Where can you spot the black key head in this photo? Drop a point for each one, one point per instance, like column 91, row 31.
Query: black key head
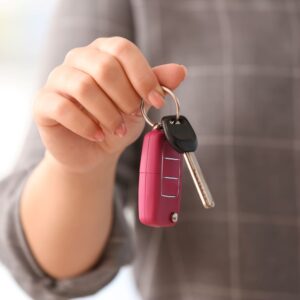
column 180, row 134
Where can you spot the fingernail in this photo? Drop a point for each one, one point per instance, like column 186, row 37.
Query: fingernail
column 160, row 90
column 185, row 70
column 99, row 136
column 121, row 130
column 156, row 99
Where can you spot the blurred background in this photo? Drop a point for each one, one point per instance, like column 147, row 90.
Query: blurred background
column 23, row 27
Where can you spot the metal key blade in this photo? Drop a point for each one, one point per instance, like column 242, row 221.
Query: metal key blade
column 198, row 179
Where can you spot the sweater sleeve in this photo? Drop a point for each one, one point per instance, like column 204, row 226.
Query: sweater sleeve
column 76, row 24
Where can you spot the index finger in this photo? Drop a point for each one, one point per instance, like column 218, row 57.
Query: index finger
column 136, row 67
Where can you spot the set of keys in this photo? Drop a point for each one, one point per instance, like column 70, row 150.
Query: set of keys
column 160, row 180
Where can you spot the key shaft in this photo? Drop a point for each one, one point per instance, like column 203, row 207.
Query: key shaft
column 198, row 179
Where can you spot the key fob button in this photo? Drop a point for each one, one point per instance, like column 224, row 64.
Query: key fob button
column 171, row 167
column 170, row 188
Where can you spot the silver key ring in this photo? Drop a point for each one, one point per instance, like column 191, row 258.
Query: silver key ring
column 168, row 91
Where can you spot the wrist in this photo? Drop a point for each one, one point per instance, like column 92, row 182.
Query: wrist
column 107, row 164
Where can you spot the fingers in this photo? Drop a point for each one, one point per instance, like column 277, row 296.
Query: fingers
column 135, row 66
column 123, row 73
column 82, row 87
column 109, row 75
column 163, row 72
column 52, row 109
column 102, row 83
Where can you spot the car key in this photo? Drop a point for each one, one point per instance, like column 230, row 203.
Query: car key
column 159, row 181
column 183, row 139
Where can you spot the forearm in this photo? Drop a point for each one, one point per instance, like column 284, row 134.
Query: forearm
column 67, row 216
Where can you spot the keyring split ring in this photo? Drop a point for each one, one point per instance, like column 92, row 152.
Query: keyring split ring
column 168, row 91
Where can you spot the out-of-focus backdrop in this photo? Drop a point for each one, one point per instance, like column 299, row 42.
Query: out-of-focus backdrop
column 23, row 27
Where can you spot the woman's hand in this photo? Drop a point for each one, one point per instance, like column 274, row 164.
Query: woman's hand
column 88, row 110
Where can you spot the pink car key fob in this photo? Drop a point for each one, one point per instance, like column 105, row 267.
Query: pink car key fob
column 159, row 181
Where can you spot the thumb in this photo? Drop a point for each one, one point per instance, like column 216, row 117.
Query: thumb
column 170, row 75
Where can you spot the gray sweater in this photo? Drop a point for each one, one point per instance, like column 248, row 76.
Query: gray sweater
column 242, row 96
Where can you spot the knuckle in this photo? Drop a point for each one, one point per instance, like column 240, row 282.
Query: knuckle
column 54, row 73
column 107, row 69
column 60, row 109
column 97, row 41
column 83, row 84
column 36, row 107
column 72, row 53
column 121, row 45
